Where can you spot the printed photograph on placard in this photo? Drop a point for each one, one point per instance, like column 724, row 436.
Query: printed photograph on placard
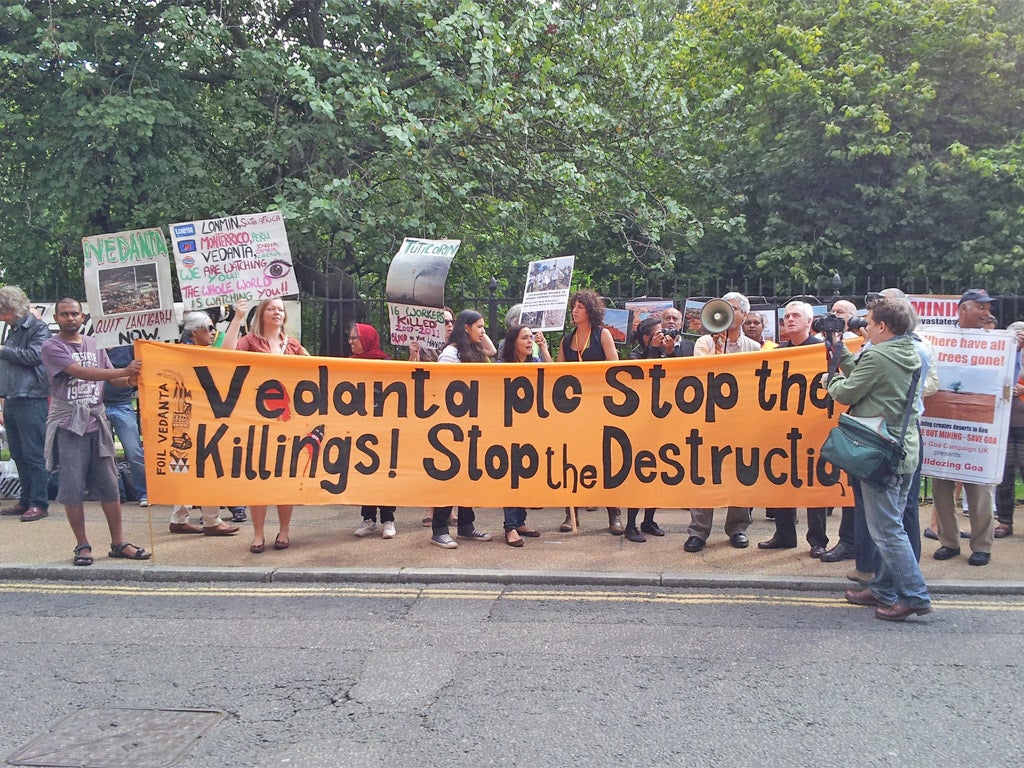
column 419, row 270
column 617, row 321
column 642, row 308
column 546, row 295
column 129, row 289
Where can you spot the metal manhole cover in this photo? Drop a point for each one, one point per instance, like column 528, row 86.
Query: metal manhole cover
column 114, row 737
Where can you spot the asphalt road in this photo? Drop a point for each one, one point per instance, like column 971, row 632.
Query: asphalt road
column 481, row 675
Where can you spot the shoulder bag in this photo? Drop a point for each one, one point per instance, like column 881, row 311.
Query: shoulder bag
column 865, row 449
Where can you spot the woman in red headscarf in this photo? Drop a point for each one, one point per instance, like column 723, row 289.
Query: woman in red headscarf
column 365, row 343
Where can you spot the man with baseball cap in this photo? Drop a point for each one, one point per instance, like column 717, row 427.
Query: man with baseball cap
column 975, row 311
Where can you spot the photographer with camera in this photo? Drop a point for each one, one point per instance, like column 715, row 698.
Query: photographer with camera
column 847, row 312
column 877, row 385
column 798, row 317
column 673, row 342
column 846, row 549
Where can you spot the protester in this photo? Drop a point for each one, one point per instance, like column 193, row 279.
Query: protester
column 588, row 341
column 365, row 343
column 198, row 330
column 846, row 311
column 797, row 317
column 468, row 343
column 649, row 345
column 77, row 432
column 268, row 336
column 673, row 341
column 517, row 347
column 420, row 353
column 753, row 327
column 974, row 312
column 1006, row 492
column 878, row 385
column 737, row 519
column 24, row 388
column 119, row 403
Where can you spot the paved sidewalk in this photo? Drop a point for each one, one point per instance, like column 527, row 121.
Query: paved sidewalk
column 324, row 549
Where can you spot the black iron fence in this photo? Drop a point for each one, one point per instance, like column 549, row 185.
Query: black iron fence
column 327, row 315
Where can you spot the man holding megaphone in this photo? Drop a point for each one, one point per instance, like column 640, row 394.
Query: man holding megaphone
column 723, row 318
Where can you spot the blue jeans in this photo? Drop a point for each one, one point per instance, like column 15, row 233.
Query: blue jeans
column 122, row 420
column 25, row 418
column 515, row 517
column 898, row 578
column 864, row 548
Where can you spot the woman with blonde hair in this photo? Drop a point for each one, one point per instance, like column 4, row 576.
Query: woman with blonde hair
column 268, row 336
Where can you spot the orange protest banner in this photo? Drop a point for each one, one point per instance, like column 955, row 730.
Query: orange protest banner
column 235, row 428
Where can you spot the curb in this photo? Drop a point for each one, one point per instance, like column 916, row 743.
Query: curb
column 166, row 574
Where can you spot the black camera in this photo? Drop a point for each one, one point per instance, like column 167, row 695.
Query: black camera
column 856, row 323
column 829, row 324
column 670, row 332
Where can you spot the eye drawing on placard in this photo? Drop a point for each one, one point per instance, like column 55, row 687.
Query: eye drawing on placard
column 277, row 269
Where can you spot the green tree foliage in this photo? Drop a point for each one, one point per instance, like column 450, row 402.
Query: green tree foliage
column 497, row 123
column 879, row 139
column 720, row 138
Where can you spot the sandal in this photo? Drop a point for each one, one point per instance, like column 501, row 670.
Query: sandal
column 117, row 550
column 81, row 559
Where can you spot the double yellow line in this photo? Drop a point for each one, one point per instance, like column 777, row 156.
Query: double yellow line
column 517, row 593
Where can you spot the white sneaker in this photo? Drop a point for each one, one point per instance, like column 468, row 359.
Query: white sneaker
column 366, row 528
column 389, row 530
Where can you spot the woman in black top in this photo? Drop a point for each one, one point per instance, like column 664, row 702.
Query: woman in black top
column 588, row 341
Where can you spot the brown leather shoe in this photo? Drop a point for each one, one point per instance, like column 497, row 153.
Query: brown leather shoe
column 899, row 612
column 862, row 597
column 16, row 511
column 530, row 532
column 34, row 513
column 615, row 526
column 1003, row 530
column 223, row 529
column 185, row 528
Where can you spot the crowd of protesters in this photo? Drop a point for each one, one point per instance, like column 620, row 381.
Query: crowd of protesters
column 880, row 532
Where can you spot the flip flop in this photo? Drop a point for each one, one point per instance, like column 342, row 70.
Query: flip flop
column 81, row 559
column 117, row 550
